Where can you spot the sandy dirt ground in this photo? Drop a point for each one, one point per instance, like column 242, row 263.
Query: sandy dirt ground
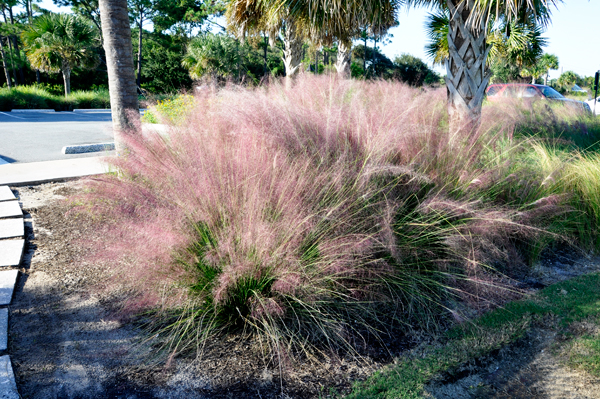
column 64, row 343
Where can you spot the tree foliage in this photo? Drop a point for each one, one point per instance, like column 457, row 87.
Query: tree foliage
column 61, row 42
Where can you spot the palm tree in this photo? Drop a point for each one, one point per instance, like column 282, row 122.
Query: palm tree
column 510, row 42
column 119, row 62
column 567, row 80
column 59, row 43
column 549, row 61
column 213, row 55
column 4, row 66
column 342, row 21
column 256, row 16
column 467, row 71
column 541, row 67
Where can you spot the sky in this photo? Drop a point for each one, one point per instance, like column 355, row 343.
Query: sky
column 573, row 35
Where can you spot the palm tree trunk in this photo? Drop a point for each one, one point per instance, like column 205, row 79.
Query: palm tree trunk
column 6, row 74
column 365, row 56
column 139, row 71
column 342, row 64
column 265, row 71
column 292, row 53
column 467, row 73
column 66, row 71
column 18, row 53
column 12, row 65
column 139, row 60
column 119, row 65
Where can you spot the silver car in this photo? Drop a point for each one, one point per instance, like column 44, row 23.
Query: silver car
column 591, row 104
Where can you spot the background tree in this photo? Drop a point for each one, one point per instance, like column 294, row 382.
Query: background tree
column 59, row 43
column 214, row 55
column 414, row 71
column 329, row 22
column 223, row 58
column 88, row 9
column 541, row 67
column 4, row 64
column 140, row 11
column 550, row 61
column 567, row 80
column 162, row 70
column 255, row 18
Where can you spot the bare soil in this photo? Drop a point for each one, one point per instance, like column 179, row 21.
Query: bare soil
column 64, row 342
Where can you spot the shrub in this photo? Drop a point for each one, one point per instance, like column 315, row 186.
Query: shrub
column 314, row 217
column 34, row 97
column 90, row 99
column 170, row 110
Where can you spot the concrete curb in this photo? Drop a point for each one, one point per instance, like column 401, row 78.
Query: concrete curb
column 32, row 110
column 25, row 174
column 92, row 110
column 10, row 251
column 84, row 148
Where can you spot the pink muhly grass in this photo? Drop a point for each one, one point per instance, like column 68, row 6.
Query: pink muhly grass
column 303, row 211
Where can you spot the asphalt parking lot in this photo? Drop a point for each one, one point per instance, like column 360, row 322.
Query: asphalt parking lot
column 40, row 136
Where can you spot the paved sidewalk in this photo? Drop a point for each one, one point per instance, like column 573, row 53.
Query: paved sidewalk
column 24, row 174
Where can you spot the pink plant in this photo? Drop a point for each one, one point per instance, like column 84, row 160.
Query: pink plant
column 309, row 208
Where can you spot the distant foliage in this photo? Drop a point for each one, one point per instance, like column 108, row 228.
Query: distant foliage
column 221, row 58
column 405, row 68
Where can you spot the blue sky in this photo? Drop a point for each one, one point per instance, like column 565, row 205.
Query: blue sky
column 573, row 35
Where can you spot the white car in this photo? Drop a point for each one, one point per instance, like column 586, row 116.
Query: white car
column 591, row 104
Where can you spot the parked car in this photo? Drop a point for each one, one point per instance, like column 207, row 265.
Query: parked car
column 590, row 103
column 532, row 91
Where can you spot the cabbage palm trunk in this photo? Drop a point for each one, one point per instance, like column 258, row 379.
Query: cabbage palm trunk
column 66, row 72
column 119, row 62
column 4, row 66
column 467, row 74
column 342, row 64
column 292, row 53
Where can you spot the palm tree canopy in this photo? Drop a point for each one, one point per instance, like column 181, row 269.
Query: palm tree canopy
column 340, row 20
column 56, row 41
column 518, row 43
column 211, row 54
column 489, row 10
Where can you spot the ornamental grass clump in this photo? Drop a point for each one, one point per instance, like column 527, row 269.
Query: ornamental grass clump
column 313, row 219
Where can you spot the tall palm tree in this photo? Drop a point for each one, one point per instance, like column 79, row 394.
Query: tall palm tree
column 119, row 62
column 59, row 43
column 467, row 70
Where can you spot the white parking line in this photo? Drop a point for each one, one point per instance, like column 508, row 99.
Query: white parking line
column 12, row 116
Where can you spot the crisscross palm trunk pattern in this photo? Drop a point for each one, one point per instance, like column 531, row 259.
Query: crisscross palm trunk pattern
column 467, row 74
